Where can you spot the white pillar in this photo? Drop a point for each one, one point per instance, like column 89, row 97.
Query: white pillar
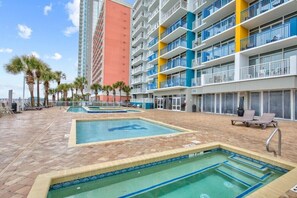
column 292, row 104
column 261, row 103
column 293, row 65
column 240, row 61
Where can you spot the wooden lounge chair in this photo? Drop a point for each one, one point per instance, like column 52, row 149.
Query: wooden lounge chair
column 265, row 120
column 247, row 116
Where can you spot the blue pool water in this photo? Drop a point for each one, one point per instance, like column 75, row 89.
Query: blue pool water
column 103, row 130
column 217, row 173
column 99, row 110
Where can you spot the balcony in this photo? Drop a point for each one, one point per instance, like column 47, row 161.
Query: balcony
column 137, row 90
column 138, row 8
column 218, row 77
column 266, row 70
column 138, row 40
column 176, row 30
column 173, row 66
column 196, row 62
column 218, row 10
column 140, row 28
column 154, row 4
column 152, row 59
column 266, row 10
column 153, row 30
column 198, row 24
column 153, row 16
column 177, row 11
column 152, row 72
column 138, row 80
column 197, row 43
column 219, row 30
column 138, row 60
column 218, row 53
column 138, row 50
column 197, row 5
column 138, row 70
column 151, row 86
column 139, row 18
column 175, row 82
column 172, row 49
column 271, row 39
column 196, row 82
column 153, row 44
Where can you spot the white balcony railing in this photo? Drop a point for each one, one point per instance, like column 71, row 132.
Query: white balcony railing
column 263, row 70
column 178, row 5
column 137, row 70
column 152, row 28
column 143, row 100
column 218, row 77
column 196, row 42
column 156, row 11
column 198, row 3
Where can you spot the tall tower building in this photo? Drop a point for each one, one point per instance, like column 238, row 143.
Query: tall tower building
column 214, row 56
column 111, row 44
column 89, row 13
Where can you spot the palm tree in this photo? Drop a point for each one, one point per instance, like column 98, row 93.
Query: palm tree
column 96, row 87
column 47, row 76
column 81, row 82
column 120, row 86
column 71, row 87
column 76, row 86
column 59, row 76
column 127, row 90
column 53, row 93
column 23, row 64
column 107, row 88
column 113, row 88
column 39, row 67
column 64, row 88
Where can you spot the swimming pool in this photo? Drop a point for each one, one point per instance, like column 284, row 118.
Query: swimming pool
column 90, row 131
column 214, row 173
column 100, row 110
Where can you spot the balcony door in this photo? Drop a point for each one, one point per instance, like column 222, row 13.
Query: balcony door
column 160, row 103
column 176, row 103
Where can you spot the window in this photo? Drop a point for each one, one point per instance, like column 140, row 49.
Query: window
column 229, row 103
column 278, row 102
column 217, row 103
column 296, row 105
column 255, row 102
column 208, row 102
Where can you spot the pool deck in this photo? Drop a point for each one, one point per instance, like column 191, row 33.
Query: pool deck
column 36, row 142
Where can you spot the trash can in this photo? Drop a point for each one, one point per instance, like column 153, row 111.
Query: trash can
column 14, row 107
column 194, row 109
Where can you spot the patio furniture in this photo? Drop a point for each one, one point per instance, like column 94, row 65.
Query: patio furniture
column 6, row 109
column 265, row 120
column 247, row 116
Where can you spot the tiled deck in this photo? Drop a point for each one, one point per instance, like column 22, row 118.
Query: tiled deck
column 34, row 142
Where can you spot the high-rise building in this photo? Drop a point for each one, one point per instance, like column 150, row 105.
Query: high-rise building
column 214, row 56
column 89, row 13
column 111, row 44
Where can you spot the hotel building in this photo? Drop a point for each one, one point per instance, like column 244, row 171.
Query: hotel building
column 215, row 55
column 111, row 44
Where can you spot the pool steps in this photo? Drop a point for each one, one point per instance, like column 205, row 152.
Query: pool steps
column 248, row 163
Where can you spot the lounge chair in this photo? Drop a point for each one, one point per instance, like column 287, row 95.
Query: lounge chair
column 247, row 116
column 7, row 109
column 265, row 120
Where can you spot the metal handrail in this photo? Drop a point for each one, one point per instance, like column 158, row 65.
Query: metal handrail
column 279, row 142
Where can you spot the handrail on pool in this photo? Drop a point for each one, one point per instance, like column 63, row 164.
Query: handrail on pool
column 279, row 142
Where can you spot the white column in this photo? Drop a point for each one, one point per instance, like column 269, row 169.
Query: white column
column 202, row 80
column 215, row 103
column 201, row 107
column 220, row 110
column 261, row 103
column 292, row 104
column 293, row 65
column 240, row 61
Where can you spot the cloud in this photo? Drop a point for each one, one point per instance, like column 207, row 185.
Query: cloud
column 56, row 56
column 35, row 54
column 6, row 50
column 72, row 9
column 24, row 31
column 47, row 9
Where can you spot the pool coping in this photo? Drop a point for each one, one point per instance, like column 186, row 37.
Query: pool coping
column 276, row 188
column 72, row 136
column 118, row 108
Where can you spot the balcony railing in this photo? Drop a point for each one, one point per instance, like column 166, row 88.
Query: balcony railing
column 153, row 56
column 137, row 38
column 153, row 71
column 153, row 42
column 171, row 46
column 137, row 90
column 196, row 42
column 198, row 3
column 173, row 83
column 142, row 14
column 138, row 58
column 219, row 27
column 267, row 36
column 170, row 29
column 142, row 100
column 259, row 8
column 151, row 86
column 219, row 77
column 137, row 48
column 137, row 69
column 152, row 28
column 215, row 53
column 275, row 68
column 137, row 80
column 164, row 2
column 156, row 11
column 196, row 62
column 196, row 81
column 178, row 5
column 141, row 25
column 138, row 6
column 174, row 63
column 197, row 23
column 214, row 7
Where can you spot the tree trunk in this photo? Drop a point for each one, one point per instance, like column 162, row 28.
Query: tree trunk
column 38, row 97
column 57, row 95
column 31, row 89
column 120, row 96
column 96, row 96
column 72, row 94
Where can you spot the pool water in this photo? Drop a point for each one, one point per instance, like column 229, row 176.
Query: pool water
column 104, row 130
column 99, row 110
column 213, row 174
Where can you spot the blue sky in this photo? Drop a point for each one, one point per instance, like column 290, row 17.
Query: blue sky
column 47, row 29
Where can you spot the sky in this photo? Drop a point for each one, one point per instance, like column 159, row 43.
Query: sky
column 43, row 28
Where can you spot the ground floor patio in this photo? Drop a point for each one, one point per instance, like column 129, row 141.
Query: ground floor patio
column 36, row 142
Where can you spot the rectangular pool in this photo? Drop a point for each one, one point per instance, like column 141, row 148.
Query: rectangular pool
column 214, row 173
column 90, row 131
